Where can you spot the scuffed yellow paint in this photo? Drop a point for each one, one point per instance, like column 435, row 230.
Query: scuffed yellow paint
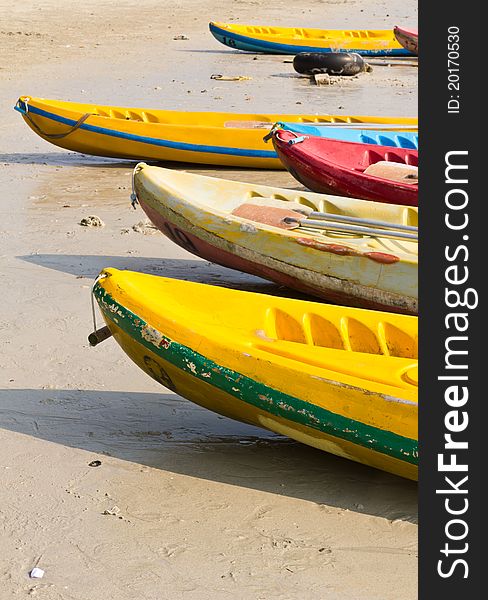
column 202, row 206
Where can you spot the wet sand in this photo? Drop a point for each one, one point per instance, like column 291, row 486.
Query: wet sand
column 203, row 507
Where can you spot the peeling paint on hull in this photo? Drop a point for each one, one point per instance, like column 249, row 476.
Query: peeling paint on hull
column 197, row 213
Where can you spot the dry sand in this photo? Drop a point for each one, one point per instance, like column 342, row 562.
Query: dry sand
column 204, row 507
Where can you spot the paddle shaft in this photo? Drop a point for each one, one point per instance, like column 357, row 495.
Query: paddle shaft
column 346, row 228
column 360, row 221
column 378, row 126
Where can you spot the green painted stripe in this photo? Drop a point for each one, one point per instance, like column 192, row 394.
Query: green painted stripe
column 252, row 392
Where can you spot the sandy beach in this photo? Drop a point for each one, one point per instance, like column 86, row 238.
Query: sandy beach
column 185, row 503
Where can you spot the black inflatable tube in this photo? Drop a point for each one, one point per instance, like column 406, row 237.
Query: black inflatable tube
column 332, row 63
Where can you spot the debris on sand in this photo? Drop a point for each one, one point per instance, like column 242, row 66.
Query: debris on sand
column 326, row 79
column 219, row 77
column 92, row 221
column 114, row 511
column 145, row 227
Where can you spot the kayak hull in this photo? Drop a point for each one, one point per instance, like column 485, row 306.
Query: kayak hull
column 408, row 38
column 336, row 167
column 186, row 209
column 225, row 139
column 245, row 382
column 281, row 40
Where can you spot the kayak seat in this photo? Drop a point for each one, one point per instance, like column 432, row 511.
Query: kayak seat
column 400, row 172
column 349, row 334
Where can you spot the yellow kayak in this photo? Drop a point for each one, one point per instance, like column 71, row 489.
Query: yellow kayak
column 242, row 226
column 292, row 40
column 340, row 379
column 145, row 134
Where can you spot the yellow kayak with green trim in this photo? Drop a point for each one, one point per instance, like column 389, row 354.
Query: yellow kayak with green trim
column 227, row 139
column 343, row 380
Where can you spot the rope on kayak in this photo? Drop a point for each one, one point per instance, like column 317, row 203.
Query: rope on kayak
column 133, row 197
column 277, row 127
column 54, row 136
column 269, row 135
column 94, row 317
column 97, row 336
column 297, row 140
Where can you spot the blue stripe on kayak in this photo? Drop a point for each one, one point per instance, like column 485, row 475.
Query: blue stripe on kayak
column 153, row 141
column 404, row 139
column 250, row 44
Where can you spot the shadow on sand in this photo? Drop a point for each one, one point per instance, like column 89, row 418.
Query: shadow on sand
column 89, row 266
column 64, row 159
column 78, row 160
column 167, row 432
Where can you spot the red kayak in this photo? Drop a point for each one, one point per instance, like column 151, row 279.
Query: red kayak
column 366, row 171
column 408, row 38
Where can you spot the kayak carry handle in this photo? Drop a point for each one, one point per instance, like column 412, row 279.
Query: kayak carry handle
column 99, row 336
